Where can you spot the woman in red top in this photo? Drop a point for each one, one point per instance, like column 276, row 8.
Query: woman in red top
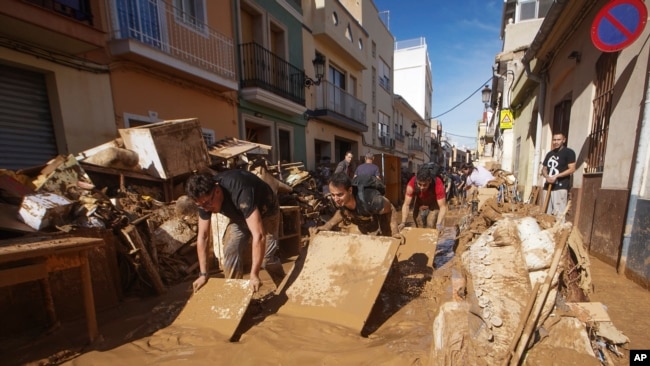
column 430, row 205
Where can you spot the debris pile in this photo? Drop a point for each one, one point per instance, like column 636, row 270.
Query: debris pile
column 135, row 193
column 526, row 291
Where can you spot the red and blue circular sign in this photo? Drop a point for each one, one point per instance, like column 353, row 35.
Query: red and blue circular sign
column 618, row 24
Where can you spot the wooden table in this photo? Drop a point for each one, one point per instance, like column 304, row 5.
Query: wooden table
column 32, row 259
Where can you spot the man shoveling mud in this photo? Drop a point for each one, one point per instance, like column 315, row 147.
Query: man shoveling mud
column 254, row 213
column 375, row 215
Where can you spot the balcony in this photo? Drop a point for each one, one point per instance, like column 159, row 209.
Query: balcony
column 332, row 24
column 157, row 35
column 61, row 26
column 399, row 137
column 269, row 80
column 387, row 141
column 414, row 146
column 336, row 106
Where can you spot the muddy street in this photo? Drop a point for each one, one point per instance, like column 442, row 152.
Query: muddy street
column 398, row 329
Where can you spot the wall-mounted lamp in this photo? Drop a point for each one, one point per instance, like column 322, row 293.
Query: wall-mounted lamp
column 486, row 94
column 319, row 67
column 482, row 140
column 414, row 128
column 575, row 55
column 439, row 130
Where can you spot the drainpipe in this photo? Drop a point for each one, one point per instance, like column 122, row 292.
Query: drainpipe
column 541, row 101
column 639, row 175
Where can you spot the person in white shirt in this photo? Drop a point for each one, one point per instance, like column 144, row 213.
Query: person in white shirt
column 477, row 176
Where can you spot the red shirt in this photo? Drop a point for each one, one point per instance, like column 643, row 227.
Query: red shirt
column 426, row 197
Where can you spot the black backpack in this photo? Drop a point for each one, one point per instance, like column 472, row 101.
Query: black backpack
column 363, row 182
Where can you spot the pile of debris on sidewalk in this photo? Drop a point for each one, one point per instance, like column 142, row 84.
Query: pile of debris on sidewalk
column 132, row 189
column 525, row 294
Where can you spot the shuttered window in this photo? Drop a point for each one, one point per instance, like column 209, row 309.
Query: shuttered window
column 26, row 132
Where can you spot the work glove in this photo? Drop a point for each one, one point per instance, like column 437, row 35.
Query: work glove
column 314, row 230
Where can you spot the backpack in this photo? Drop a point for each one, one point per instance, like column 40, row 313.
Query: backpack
column 363, row 182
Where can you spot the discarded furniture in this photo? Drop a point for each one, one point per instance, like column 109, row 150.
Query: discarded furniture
column 33, row 259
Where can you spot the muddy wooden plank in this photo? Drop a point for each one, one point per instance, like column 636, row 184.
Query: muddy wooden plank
column 419, row 245
column 219, row 305
column 340, row 278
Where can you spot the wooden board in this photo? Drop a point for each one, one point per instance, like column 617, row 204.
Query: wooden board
column 589, row 311
column 420, row 242
column 219, row 305
column 340, row 278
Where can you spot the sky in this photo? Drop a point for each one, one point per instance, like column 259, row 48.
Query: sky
column 462, row 40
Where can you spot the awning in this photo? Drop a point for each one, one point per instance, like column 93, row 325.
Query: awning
column 231, row 147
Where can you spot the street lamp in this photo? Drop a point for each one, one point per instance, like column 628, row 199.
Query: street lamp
column 486, row 93
column 319, row 68
column 439, row 128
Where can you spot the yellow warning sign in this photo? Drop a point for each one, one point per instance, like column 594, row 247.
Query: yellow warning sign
column 506, row 119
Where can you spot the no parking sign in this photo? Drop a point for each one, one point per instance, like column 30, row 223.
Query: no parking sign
column 618, row 24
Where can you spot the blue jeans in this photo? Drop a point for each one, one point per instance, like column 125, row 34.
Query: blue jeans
column 237, row 239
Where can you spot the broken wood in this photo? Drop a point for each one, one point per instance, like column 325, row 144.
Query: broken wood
column 531, row 322
column 131, row 235
column 547, row 197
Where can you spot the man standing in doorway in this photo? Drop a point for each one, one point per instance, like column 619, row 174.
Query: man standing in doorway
column 558, row 164
column 345, row 165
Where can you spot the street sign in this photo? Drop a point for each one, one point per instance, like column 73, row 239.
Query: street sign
column 506, row 119
column 618, row 24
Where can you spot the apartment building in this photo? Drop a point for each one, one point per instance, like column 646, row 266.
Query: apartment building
column 566, row 81
column 73, row 72
column 55, row 88
column 272, row 95
column 413, row 82
column 171, row 60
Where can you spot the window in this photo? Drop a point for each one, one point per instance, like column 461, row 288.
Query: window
column 384, row 75
column 561, row 118
column 191, row 12
column 208, row 136
column 602, row 104
column 374, row 90
column 383, row 124
column 533, row 9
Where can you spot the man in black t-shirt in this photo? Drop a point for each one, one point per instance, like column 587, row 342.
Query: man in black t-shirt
column 376, row 215
column 252, row 207
column 558, row 164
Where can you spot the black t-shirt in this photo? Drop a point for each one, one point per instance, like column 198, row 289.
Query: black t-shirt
column 243, row 192
column 557, row 161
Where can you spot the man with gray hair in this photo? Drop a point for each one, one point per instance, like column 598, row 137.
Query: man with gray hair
column 368, row 168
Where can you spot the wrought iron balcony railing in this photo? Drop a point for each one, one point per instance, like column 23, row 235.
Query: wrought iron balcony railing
column 415, row 146
column 264, row 69
column 332, row 98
